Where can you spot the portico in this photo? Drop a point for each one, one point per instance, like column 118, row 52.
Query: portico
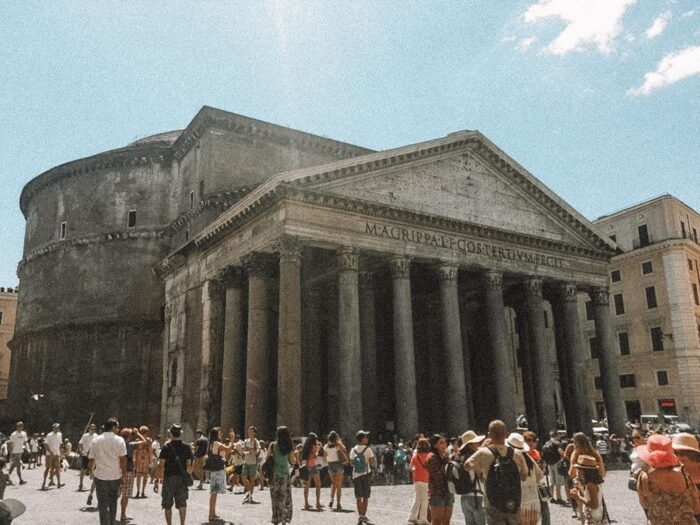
column 367, row 292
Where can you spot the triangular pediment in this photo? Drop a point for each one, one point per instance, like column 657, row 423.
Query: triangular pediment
column 463, row 188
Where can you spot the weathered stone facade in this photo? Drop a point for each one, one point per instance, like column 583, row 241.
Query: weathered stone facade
column 311, row 283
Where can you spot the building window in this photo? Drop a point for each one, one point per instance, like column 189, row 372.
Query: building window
column 0, row 317
column 647, row 268
column 613, row 238
column 623, row 339
column 546, row 318
column 619, row 304
column 695, row 235
column 643, row 235
column 615, row 276
column 690, row 264
column 589, row 311
column 191, row 199
column 598, row 383
column 628, row 381
column 695, row 295
column 131, row 220
column 683, row 229
column 593, row 345
column 651, row 297
column 657, row 339
column 62, row 231
column 662, row 378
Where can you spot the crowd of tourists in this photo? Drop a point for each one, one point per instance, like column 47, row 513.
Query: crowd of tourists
column 498, row 478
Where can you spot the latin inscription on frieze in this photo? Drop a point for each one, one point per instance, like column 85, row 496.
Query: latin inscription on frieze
column 462, row 244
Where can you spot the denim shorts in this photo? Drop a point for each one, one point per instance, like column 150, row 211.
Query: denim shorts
column 447, row 501
column 217, row 482
column 312, row 471
column 334, row 467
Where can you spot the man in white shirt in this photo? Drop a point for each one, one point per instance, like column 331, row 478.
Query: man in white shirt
column 84, row 450
column 54, row 440
column 17, row 445
column 108, row 462
column 363, row 462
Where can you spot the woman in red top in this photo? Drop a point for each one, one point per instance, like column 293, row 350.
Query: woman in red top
column 441, row 501
column 419, row 510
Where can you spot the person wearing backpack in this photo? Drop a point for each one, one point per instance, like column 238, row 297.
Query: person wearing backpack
column 470, row 489
column 419, row 509
column 503, row 469
column 362, row 460
column 552, row 453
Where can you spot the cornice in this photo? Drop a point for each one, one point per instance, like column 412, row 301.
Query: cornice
column 133, row 155
column 221, row 200
column 208, row 118
column 132, row 324
column 91, row 239
column 668, row 244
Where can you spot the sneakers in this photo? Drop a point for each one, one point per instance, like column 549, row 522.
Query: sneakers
column 22, row 482
column 89, row 500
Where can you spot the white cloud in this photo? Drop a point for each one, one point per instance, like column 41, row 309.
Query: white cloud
column 596, row 22
column 525, row 43
column 658, row 25
column 688, row 13
column 511, row 38
column 672, row 68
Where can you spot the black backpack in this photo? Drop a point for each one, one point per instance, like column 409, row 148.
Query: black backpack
column 503, row 482
column 550, row 453
column 460, row 478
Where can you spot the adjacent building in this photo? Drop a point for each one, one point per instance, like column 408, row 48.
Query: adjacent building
column 655, row 289
column 8, row 309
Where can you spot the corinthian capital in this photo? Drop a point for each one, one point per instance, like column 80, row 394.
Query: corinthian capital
column 289, row 248
column 260, row 265
column 493, row 278
column 400, row 267
column 533, row 286
column 567, row 292
column 448, row 272
column 599, row 296
column 348, row 259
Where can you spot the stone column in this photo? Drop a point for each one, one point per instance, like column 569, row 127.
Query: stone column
column 330, row 304
column 349, row 355
column 609, row 375
column 504, row 368
column 368, row 346
column 404, row 357
column 467, row 357
column 259, row 357
column 212, row 353
column 289, row 356
column 539, row 356
column 576, row 364
column 525, row 358
column 457, row 411
column 314, row 405
column 233, row 369
column 567, row 398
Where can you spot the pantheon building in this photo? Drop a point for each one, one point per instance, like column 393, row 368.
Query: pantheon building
column 238, row 272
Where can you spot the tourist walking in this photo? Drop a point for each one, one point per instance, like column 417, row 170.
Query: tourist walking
column 363, row 462
column 215, row 466
column 552, row 454
column 309, row 453
column 583, row 446
column 337, row 456
column 249, row 473
column 588, row 491
column 84, row 450
column 441, row 501
column 388, row 460
column 126, row 488
column 421, row 478
column 143, row 456
column 401, row 461
column 665, row 492
column 200, row 445
column 54, row 440
column 283, row 456
column 530, row 511
column 108, row 463
column 503, row 468
column 17, row 446
column 472, row 500
column 175, row 469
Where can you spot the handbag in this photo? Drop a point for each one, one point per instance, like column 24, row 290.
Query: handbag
column 268, row 465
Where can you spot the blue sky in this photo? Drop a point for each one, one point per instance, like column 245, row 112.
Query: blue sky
column 600, row 99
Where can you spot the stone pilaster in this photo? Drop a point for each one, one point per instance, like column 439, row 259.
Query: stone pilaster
column 609, row 375
column 212, row 353
column 349, row 355
column 457, row 411
column 233, row 369
column 544, row 385
column 260, row 374
column 404, row 356
column 289, row 356
column 566, row 312
column 368, row 348
column 504, row 368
